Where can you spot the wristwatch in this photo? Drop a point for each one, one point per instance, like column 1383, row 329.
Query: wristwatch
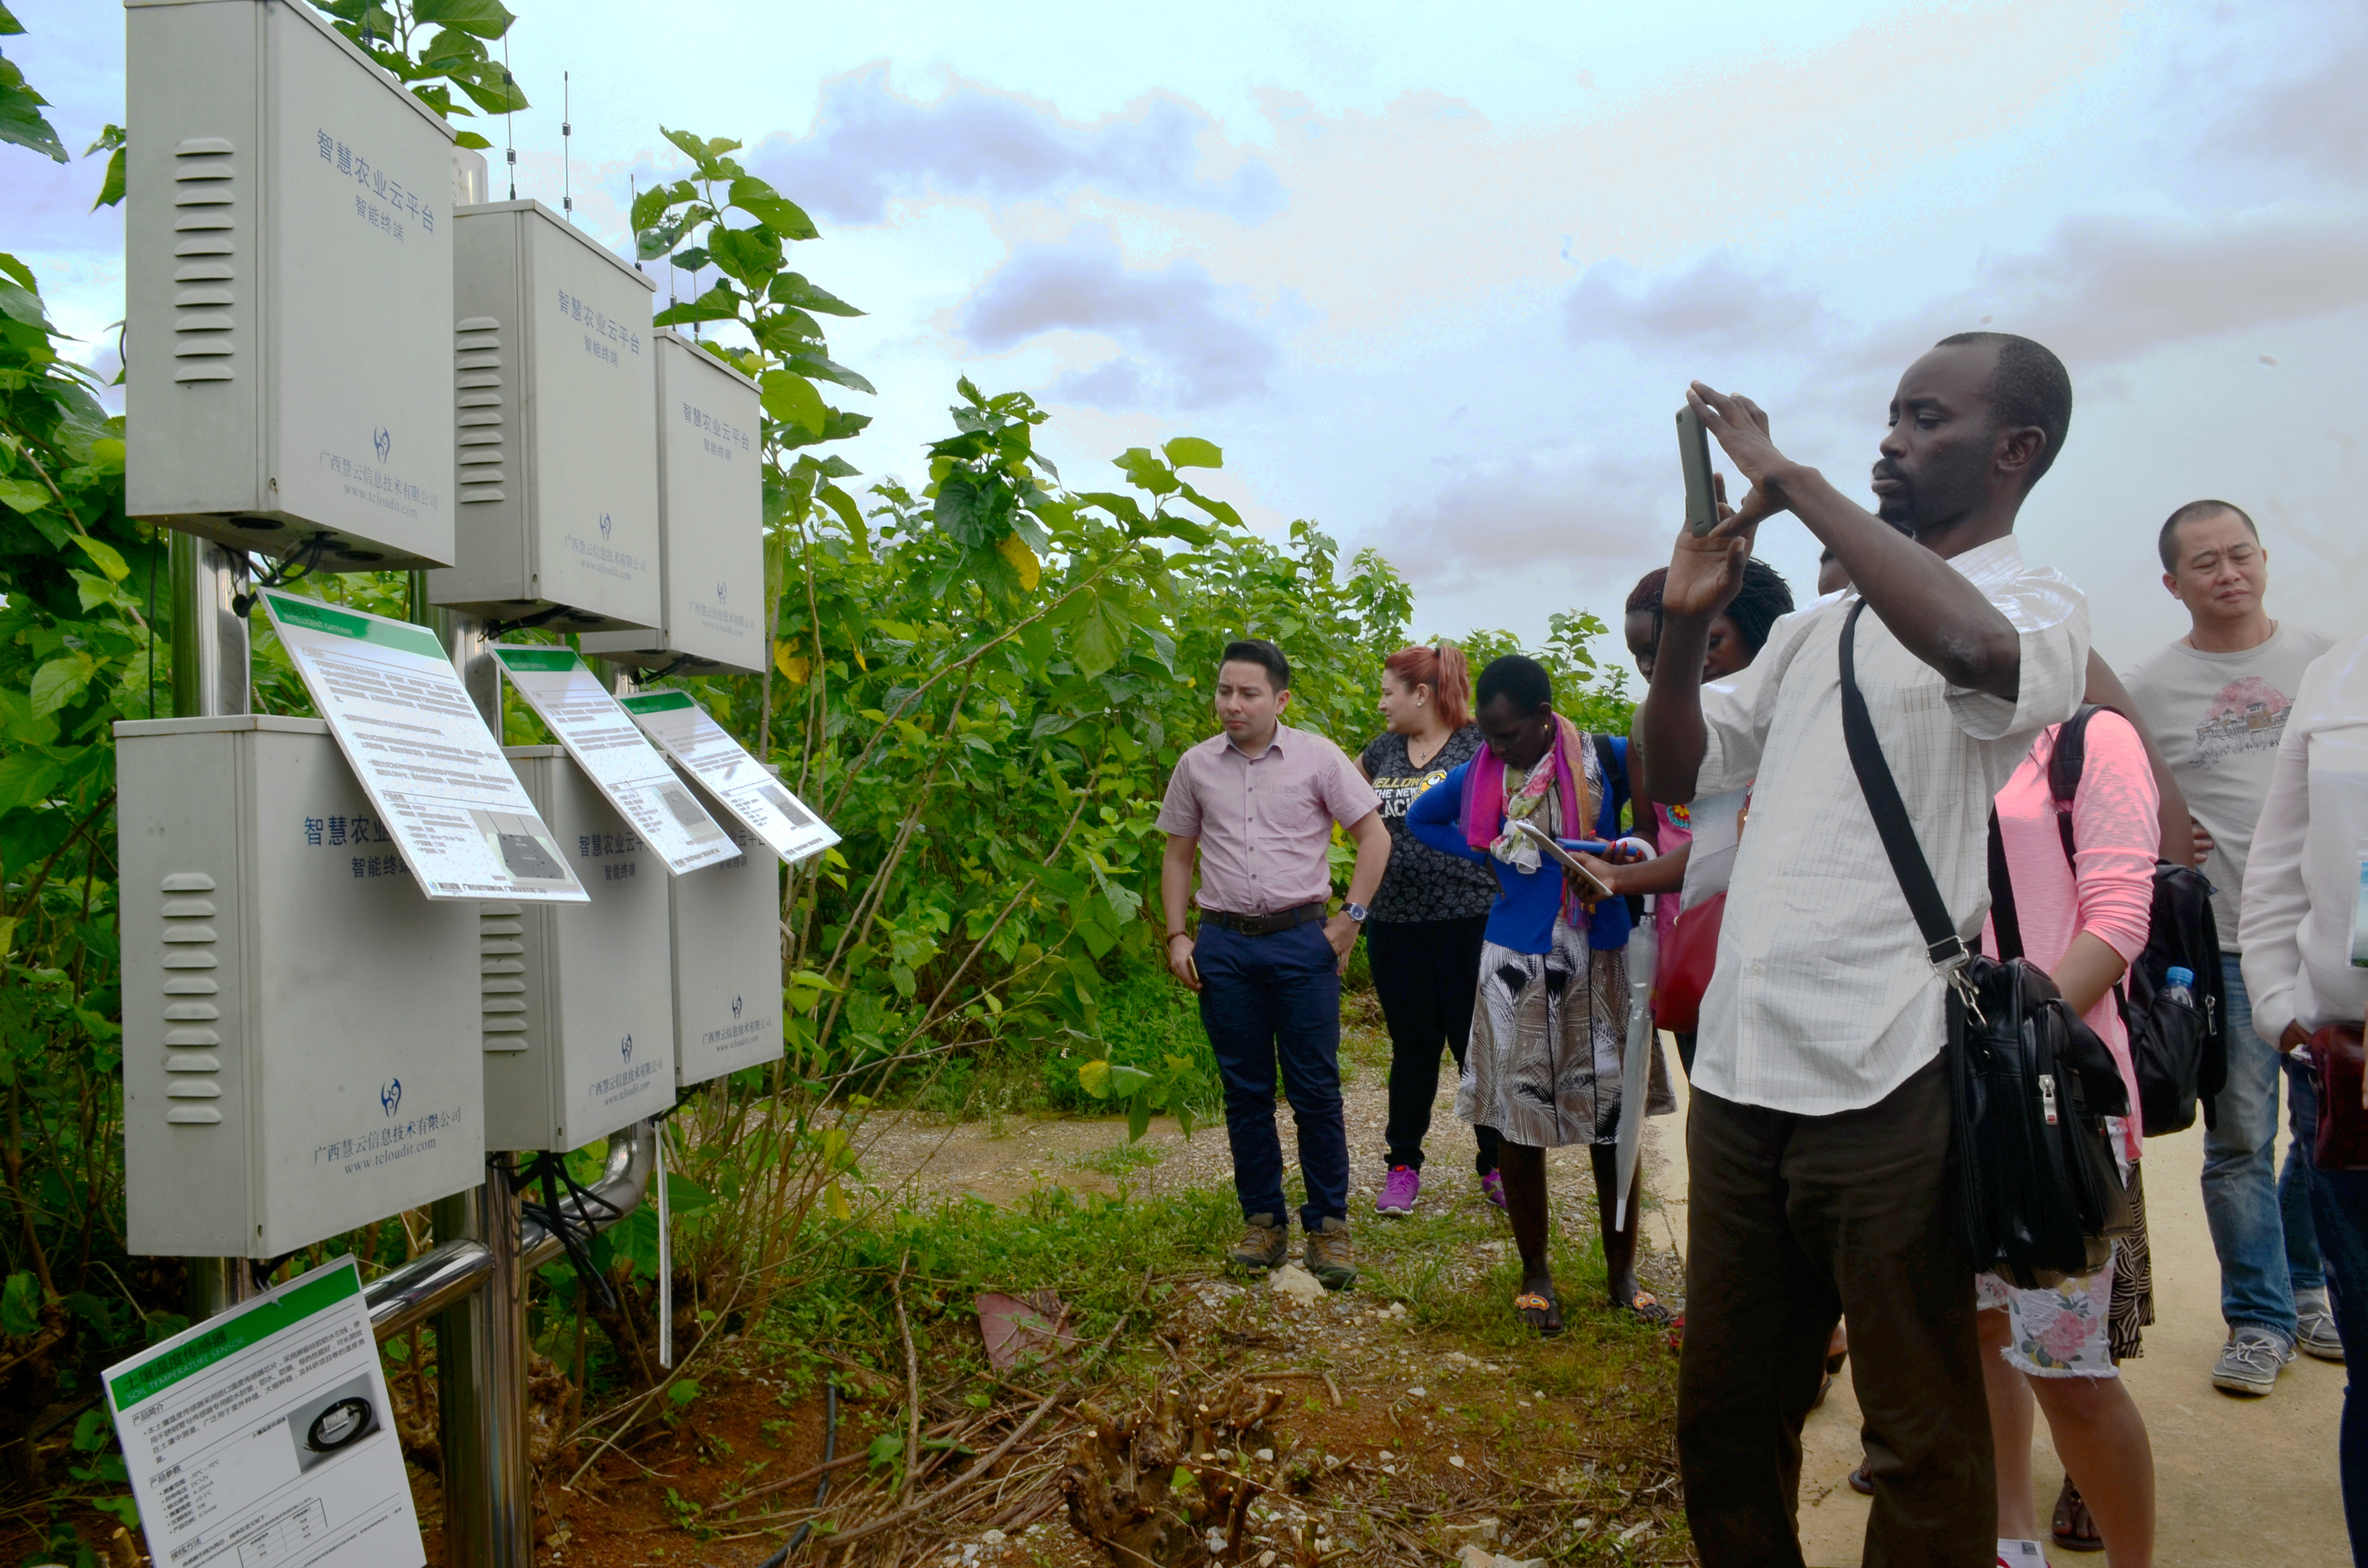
column 1356, row 912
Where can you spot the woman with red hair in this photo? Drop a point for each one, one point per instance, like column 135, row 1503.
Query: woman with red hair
column 1423, row 937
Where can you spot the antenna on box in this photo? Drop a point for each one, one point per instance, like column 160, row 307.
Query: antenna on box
column 633, row 199
column 509, row 132
column 566, row 175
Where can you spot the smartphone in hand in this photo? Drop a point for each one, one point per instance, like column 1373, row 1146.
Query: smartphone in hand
column 1693, row 457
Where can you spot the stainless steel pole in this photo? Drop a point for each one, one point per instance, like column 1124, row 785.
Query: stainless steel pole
column 482, row 1343
column 212, row 676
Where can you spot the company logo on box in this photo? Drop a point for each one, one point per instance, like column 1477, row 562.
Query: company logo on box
column 735, row 1006
column 391, row 1096
column 627, row 1050
column 722, row 590
column 382, row 442
column 604, row 524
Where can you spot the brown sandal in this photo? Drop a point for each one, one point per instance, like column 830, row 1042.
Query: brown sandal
column 2074, row 1529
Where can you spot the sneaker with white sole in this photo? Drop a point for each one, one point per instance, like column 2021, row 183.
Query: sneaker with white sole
column 1398, row 1192
column 2249, row 1363
column 2314, row 1327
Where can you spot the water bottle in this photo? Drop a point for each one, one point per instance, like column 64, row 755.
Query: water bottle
column 2178, row 985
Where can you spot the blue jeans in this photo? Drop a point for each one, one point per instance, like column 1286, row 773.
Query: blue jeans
column 2339, row 1202
column 1264, row 998
column 2261, row 1220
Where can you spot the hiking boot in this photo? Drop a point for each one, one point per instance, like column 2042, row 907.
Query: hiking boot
column 2249, row 1363
column 1327, row 1255
column 1398, row 1190
column 1264, row 1245
column 2314, row 1327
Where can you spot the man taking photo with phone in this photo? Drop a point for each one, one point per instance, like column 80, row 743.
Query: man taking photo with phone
column 1256, row 804
column 1819, row 1139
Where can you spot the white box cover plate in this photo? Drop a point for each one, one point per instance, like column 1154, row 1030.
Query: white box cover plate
column 578, row 1012
column 554, row 426
column 287, row 289
column 727, row 956
column 299, row 1026
column 711, row 520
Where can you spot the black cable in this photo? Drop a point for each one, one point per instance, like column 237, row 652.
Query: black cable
column 495, row 629
column 157, row 546
column 552, row 1170
column 294, row 567
column 822, row 1482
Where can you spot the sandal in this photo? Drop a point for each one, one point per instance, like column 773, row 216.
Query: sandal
column 1648, row 1306
column 2073, row 1528
column 1825, row 1387
column 1548, row 1306
column 1862, row 1480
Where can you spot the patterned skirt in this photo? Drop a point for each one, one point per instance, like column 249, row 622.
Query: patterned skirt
column 1543, row 1064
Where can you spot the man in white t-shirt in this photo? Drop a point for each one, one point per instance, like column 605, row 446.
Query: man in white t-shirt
column 2215, row 703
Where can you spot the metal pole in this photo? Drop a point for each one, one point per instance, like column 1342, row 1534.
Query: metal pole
column 481, row 1340
column 213, row 676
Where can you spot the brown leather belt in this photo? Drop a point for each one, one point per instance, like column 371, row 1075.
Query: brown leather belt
column 1263, row 925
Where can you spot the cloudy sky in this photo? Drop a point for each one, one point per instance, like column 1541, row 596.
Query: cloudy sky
column 1437, row 277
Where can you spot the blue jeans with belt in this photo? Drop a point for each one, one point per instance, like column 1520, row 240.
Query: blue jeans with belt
column 2260, row 1220
column 1269, row 1000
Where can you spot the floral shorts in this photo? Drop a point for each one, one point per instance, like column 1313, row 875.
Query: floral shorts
column 2056, row 1333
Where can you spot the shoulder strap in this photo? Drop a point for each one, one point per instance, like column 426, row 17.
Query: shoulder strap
column 2003, row 918
column 1941, row 943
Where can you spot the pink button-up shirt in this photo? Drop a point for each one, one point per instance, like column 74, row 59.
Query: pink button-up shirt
column 1265, row 823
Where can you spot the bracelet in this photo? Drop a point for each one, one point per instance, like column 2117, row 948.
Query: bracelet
column 1173, row 935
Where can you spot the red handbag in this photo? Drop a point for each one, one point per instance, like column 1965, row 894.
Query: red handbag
column 1682, row 973
column 2342, row 1141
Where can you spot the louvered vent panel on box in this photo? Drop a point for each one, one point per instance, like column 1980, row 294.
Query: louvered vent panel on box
column 477, row 357
column 205, row 232
column 501, row 932
column 192, row 1033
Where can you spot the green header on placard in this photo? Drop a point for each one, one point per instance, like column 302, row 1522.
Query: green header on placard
column 658, row 702
column 548, row 661
column 314, row 616
column 297, row 1302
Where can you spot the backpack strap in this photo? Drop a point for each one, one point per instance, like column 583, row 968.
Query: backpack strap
column 2066, row 765
column 1943, row 946
column 1615, row 785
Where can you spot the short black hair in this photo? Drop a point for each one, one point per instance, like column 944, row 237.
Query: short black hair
column 2030, row 386
column 1518, row 678
column 1765, row 595
column 1259, row 651
column 2166, row 543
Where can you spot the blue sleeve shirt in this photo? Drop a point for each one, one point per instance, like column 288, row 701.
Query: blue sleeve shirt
column 1527, row 902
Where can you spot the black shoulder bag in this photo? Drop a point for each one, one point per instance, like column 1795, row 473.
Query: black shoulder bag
column 2039, row 1196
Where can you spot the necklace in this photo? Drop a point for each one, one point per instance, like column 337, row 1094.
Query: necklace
column 1425, row 760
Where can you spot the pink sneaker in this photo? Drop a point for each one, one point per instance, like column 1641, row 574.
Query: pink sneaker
column 1398, row 1192
column 1492, row 1187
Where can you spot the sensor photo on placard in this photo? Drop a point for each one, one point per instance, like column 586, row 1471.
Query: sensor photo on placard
column 328, row 1424
column 701, row 748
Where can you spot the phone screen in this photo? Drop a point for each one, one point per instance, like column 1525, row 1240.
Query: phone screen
column 1693, row 457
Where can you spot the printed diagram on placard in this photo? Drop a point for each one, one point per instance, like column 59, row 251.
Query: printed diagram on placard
column 682, row 728
column 423, row 754
column 610, row 749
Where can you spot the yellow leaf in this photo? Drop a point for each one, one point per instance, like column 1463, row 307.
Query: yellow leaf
column 1014, row 549
column 837, row 1201
column 793, row 666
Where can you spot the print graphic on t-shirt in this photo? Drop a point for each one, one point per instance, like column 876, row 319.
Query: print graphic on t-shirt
column 1398, row 793
column 2246, row 715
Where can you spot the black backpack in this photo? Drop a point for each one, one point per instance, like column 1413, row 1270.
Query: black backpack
column 2181, row 1051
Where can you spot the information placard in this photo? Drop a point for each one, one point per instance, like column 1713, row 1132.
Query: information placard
column 686, row 734
column 612, row 752
column 423, row 754
column 263, row 1439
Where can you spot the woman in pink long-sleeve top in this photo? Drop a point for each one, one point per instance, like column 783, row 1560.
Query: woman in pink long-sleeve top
column 2083, row 921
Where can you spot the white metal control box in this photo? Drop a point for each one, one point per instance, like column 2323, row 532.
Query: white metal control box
column 287, row 289
column 555, row 415
column 577, row 1017
column 711, row 520
column 300, row 1024
column 727, row 956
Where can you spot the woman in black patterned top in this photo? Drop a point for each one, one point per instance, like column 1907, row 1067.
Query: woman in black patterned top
column 1423, row 939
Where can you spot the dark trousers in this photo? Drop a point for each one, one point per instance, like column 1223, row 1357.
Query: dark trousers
column 1794, row 1221
column 1269, row 999
column 1426, row 973
column 2339, row 1202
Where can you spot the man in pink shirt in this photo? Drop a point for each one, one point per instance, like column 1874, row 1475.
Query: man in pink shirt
column 1258, row 802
